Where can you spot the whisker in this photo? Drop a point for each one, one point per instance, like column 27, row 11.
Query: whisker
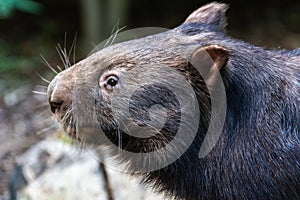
column 67, row 61
column 109, row 41
column 115, row 34
column 69, row 111
column 65, row 41
column 48, row 64
column 73, row 48
column 43, row 113
column 70, row 127
column 41, row 105
column 44, row 130
column 77, row 128
column 42, row 86
column 58, row 67
column 120, row 142
column 38, row 92
column 61, row 55
column 66, row 55
column 39, row 89
column 44, row 79
column 64, row 120
column 95, row 46
column 106, row 43
column 113, row 38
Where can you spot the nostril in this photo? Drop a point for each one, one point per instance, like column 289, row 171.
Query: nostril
column 55, row 106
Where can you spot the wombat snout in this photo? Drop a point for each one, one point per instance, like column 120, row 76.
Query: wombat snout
column 54, row 98
column 58, row 94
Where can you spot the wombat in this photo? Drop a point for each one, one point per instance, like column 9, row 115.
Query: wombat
column 256, row 155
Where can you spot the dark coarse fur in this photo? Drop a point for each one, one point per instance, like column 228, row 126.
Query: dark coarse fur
column 258, row 153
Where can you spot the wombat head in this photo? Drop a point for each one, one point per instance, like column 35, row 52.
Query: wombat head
column 137, row 95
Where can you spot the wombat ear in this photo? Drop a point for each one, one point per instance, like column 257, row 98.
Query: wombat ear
column 209, row 60
column 213, row 13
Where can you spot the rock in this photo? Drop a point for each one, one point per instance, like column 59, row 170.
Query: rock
column 56, row 170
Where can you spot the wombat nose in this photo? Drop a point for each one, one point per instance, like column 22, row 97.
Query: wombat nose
column 56, row 96
column 55, row 106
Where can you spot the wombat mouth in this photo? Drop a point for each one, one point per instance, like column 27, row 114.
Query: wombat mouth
column 71, row 131
column 67, row 121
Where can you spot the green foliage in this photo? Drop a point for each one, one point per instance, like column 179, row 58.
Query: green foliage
column 15, row 69
column 8, row 6
column 11, row 64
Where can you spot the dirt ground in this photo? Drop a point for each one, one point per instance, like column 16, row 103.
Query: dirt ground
column 24, row 120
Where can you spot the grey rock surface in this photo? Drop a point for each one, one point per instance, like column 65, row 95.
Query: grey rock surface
column 57, row 170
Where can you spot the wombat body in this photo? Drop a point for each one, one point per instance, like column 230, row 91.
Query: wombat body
column 256, row 156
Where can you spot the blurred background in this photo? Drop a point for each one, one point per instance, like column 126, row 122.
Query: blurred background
column 32, row 30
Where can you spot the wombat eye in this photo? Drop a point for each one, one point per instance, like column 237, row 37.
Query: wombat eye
column 111, row 82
